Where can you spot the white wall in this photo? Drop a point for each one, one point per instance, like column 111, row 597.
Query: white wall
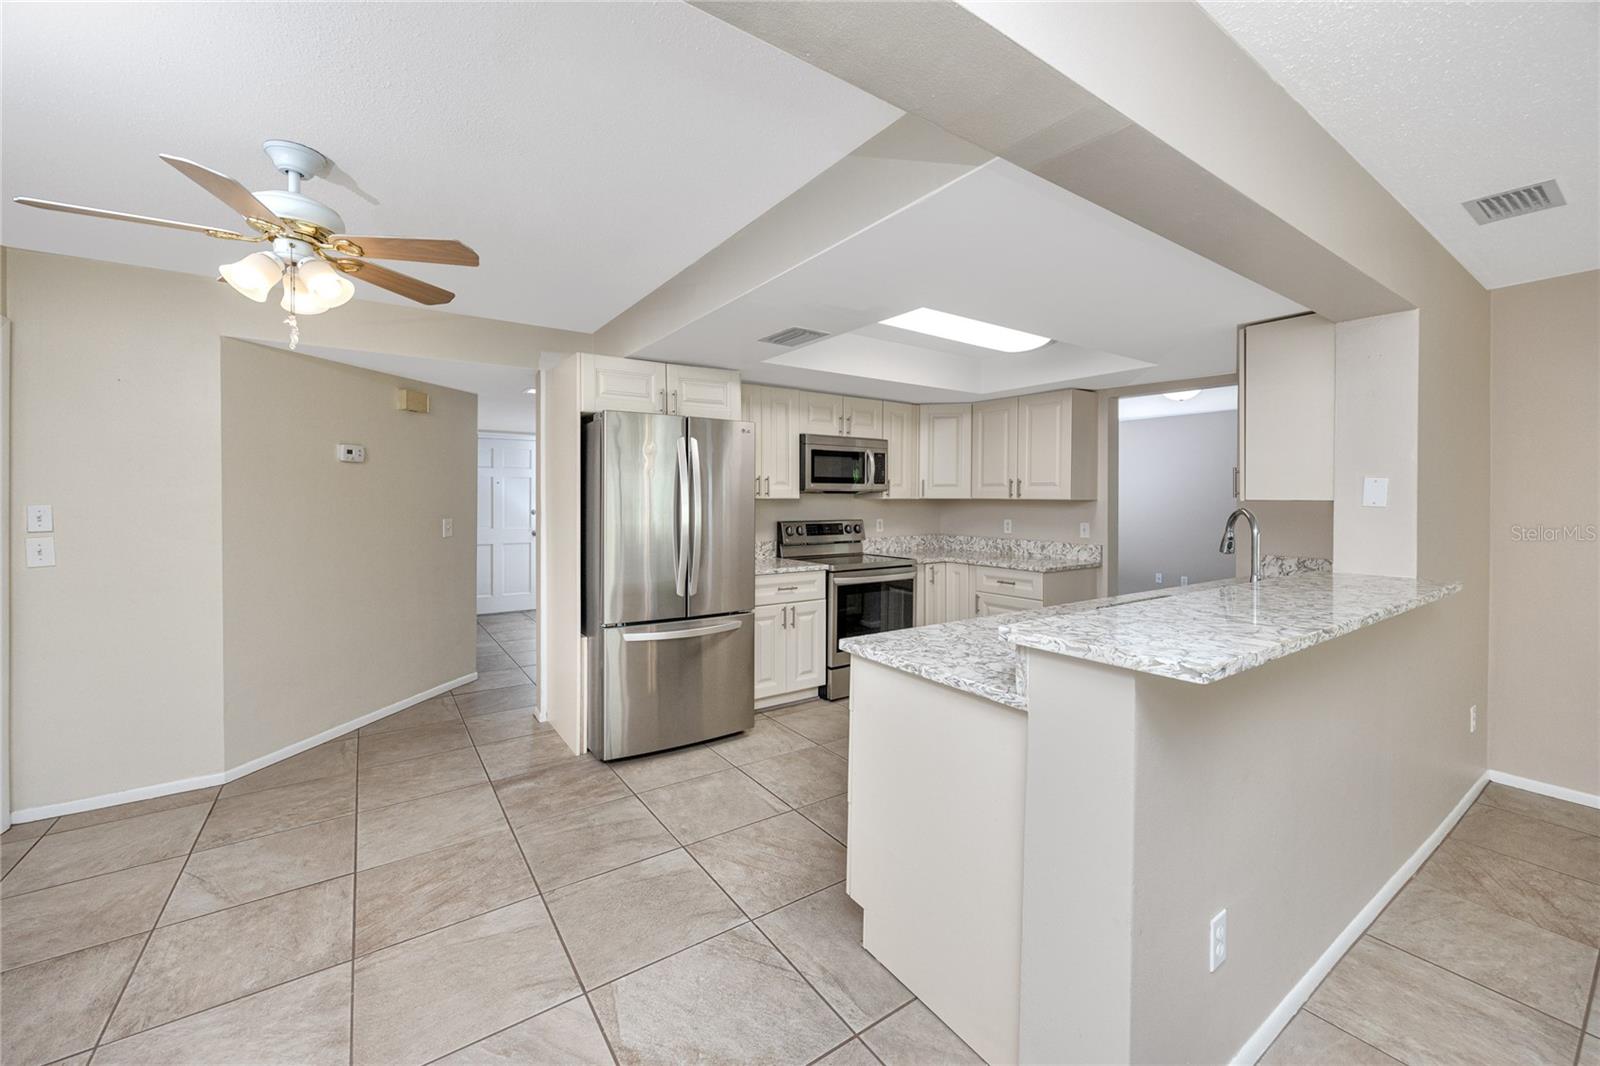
column 1375, row 435
column 1174, row 490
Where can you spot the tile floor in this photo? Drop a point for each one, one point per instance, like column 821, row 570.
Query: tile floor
column 450, row 885
column 1488, row 955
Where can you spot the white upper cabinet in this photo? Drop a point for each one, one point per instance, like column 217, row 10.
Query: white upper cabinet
column 611, row 383
column 1286, row 409
column 902, row 428
column 994, row 449
column 862, row 418
column 1058, row 445
column 821, row 412
column 946, row 459
column 775, row 413
column 702, row 392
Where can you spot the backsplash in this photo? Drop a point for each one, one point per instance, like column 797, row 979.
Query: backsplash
column 1074, row 550
column 1284, row 565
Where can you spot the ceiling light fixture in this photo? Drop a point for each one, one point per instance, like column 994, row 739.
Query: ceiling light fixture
column 966, row 330
column 1180, row 397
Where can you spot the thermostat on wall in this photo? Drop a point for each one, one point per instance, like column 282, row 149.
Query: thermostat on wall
column 352, row 453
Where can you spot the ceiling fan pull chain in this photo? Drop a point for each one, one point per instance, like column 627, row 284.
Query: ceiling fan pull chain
column 292, row 322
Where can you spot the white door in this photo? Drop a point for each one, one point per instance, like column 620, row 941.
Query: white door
column 506, row 528
column 772, row 663
column 808, row 660
column 994, row 449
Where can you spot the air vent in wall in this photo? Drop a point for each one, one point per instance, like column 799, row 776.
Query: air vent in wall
column 1514, row 202
column 794, row 337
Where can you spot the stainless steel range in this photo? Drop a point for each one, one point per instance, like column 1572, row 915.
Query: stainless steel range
column 866, row 593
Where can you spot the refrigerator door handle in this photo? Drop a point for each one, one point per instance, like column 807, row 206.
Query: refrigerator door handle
column 683, row 634
column 697, row 530
column 680, row 561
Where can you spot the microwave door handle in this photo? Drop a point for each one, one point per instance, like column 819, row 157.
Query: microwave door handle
column 680, row 548
column 697, row 494
column 872, row 471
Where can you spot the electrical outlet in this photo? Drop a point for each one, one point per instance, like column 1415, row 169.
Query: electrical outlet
column 447, row 527
column 41, row 551
column 1161, row 579
column 877, row 527
column 41, row 518
column 1083, row 530
column 1219, row 940
column 1183, row 580
column 1005, row 527
column 1472, row 718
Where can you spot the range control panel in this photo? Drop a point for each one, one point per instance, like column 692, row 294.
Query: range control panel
column 843, row 531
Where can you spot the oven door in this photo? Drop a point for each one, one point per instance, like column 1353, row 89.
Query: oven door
column 861, row 603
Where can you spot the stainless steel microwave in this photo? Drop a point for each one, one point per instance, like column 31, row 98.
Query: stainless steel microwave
column 843, row 464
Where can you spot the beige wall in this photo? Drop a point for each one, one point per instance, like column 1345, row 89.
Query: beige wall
column 1544, row 434
column 117, row 657
column 1375, row 435
column 339, row 594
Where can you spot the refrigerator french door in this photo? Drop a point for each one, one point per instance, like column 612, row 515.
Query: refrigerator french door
column 669, row 576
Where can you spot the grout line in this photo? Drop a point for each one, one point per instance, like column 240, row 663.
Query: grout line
column 31, row 845
column 490, row 1036
column 762, row 933
column 58, row 833
column 1535, row 817
column 355, row 892
column 1520, row 858
column 1470, row 980
column 1342, row 1029
column 1588, row 1014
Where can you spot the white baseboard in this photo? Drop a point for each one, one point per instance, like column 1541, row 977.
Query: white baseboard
column 1560, row 792
column 1281, row 1015
column 187, row 784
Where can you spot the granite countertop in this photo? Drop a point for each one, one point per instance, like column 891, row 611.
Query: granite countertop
column 1200, row 633
column 1008, row 553
column 767, row 564
column 1041, row 564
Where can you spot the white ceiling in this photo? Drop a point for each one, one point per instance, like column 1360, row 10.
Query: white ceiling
column 1446, row 102
column 588, row 151
column 1139, row 408
column 1001, row 245
column 503, row 401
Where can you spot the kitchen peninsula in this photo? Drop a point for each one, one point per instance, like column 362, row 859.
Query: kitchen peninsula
column 1047, row 808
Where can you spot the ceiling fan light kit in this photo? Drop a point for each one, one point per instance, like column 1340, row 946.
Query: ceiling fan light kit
column 311, row 255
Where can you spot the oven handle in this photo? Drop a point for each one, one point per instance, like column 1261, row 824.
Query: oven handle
column 877, row 577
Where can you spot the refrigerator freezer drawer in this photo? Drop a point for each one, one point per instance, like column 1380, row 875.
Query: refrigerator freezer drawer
column 665, row 685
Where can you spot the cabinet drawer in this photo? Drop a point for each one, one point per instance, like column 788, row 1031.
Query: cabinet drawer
column 791, row 588
column 990, row 604
column 1020, row 583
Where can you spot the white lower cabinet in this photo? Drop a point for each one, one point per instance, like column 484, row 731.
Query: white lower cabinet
column 944, row 593
column 806, row 639
column 991, row 604
column 771, row 666
column 949, row 592
column 791, row 630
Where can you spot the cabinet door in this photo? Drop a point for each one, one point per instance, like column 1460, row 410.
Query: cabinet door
column 1058, row 445
column 902, row 427
column 991, row 604
column 780, row 445
column 772, row 648
column 994, row 449
column 702, row 392
column 958, row 599
column 862, row 418
column 928, row 609
column 946, row 472
column 1286, row 410
column 821, row 412
column 753, row 400
column 808, row 660
column 611, row 383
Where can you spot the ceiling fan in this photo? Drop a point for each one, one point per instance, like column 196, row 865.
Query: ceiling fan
column 310, row 252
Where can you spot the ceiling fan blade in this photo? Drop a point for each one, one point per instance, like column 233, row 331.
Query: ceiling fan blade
column 413, row 249
column 403, row 284
column 123, row 216
column 225, row 189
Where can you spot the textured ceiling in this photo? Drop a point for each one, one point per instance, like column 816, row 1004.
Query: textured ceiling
column 588, row 151
column 1445, row 102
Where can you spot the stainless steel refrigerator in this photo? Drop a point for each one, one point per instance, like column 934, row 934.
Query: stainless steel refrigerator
column 669, row 580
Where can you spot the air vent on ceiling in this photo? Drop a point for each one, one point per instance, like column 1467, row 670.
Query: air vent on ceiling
column 794, row 337
column 1514, row 202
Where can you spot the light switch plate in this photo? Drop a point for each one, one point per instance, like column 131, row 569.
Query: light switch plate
column 447, row 527
column 41, row 518
column 1083, row 530
column 1005, row 527
column 41, row 551
column 1375, row 492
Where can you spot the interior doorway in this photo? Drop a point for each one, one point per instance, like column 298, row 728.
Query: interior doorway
column 507, row 523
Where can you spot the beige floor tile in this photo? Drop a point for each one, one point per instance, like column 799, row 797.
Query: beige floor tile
column 425, row 892
column 914, row 1036
column 333, row 759
column 207, row 961
column 235, row 818
column 631, row 917
column 404, row 829
column 522, row 652
column 820, row 935
column 55, row 921
column 706, row 806
column 390, row 783
column 262, row 866
column 1594, row 1011
column 524, row 754
column 27, row 830
column 1531, row 965
column 567, row 1034
column 732, row 999
column 492, row 679
column 773, row 862
column 801, row 777
column 1309, row 1041
column 511, row 631
column 12, row 851
column 130, row 810
column 1415, row 1011
column 1545, row 808
column 53, row 1009
column 668, row 768
column 832, row 814
column 818, row 721
column 569, row 846
column 1537, row 895
column 496, row 699
column 1544, row 843
column 306, row 1020
column 496, row 726
column 570, row 784
column 493, row 660
column 100, row 849
column 1589, row 1054
column 413, row 743
column 764, row 740
column 441, row 710
column 851, row 1053
column 441, row 992
column 840, row 747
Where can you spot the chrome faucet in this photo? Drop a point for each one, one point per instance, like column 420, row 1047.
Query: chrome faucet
column 1226, row 547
